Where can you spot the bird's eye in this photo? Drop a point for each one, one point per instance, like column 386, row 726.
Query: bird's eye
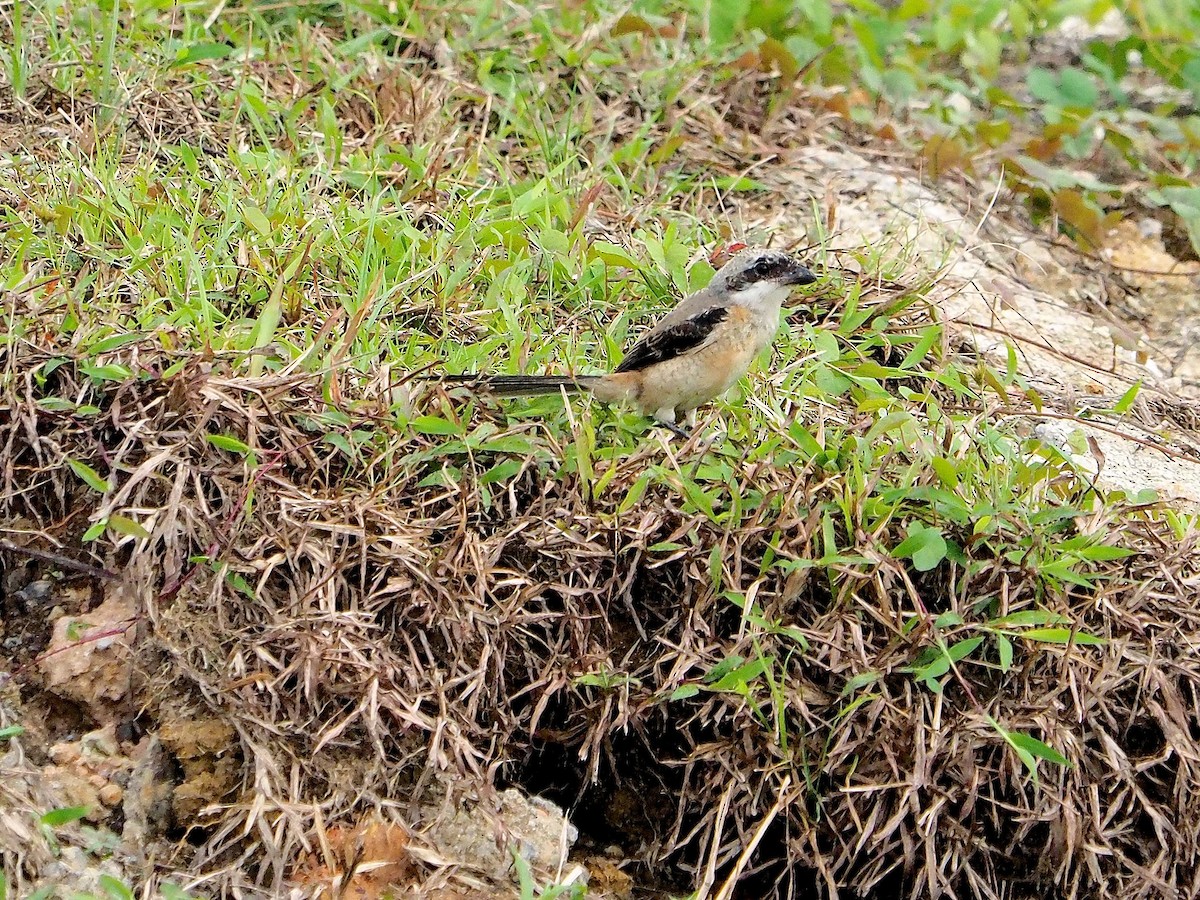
column 762, row 268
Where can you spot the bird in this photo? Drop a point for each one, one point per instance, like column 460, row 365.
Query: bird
column 691, row 356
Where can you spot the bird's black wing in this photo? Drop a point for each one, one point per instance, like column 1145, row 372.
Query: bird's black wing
column 670, row 342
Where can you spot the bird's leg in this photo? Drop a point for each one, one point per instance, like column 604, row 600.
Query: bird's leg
column 666, row 417
column 681, row 433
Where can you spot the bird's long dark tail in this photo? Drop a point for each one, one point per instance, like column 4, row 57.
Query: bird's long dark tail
column 520, row 385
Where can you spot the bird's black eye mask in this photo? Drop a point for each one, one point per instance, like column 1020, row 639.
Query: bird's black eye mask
column 767, row 268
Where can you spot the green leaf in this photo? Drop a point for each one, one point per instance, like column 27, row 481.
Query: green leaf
column 738, row 183
column 961, row 649
column 1126, row 402
column 200, row 51
column 112, row 372
column 125, row 525
column 921, row 348
column 698, row 498
column 112, row 342
column 1030, row 617
column 255, row 219
column 725, row 18
column 636, row 491
column 1104, row 552
column 1063, row 571
column 1004, row 648
column 238, row 582
column 502, row 471
column 265, row 326
column 89, row 476
column 340, row 442
column 1036, row 748
column 859, row 681
column 1056, row 178
column 737, row 680
column 1062, row 636
column 509, row 443
column 531, row 201
column 945, row 471
column 435, row 425
column 115, row 888
column 11, row 731
column 685, row 692
column 56, row 818
column 948, row 619
column 925, row 547
column 826, row 347
column 56, row 404
column 665, row 547
column 1042, row 85
column 1185, row 202
column 723, row 668
column 227, row 442
column 1077, row 88
column 612, row 255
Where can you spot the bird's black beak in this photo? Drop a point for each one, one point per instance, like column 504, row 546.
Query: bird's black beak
column 800, row 275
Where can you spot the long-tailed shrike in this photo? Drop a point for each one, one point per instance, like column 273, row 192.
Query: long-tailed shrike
column 694, row 354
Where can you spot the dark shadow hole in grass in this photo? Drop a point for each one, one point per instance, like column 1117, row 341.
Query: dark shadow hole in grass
column 631, row 805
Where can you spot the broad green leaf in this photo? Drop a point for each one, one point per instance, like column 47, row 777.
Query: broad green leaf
column 56, row 404
column 115, row 888
column 112, row 342
column 111, row 372
column 502, row 471
column 89, row 476
column 859, row 681
column 1104, row 552
column 739, row 183
column 125, row 525
column 227, row 442
column 1126, row 402
column 200, row 51
column 56, row 818
column 435, row 425
column 635, row 493
column 825, row 344
column 685, row 692
column 925, row 547
column 1004, row 649
column 1036, row 748
column 724, row 667
column 921, row 348
column 737, row 680
column 961, row 649
column 1029, row 617
column 255, row 218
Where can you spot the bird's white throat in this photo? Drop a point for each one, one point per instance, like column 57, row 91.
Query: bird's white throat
column 761, row 295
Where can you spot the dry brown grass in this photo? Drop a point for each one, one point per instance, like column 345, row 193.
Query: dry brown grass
column 393, row 630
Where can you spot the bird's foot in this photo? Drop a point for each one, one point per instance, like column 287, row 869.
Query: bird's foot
column 681, row 433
